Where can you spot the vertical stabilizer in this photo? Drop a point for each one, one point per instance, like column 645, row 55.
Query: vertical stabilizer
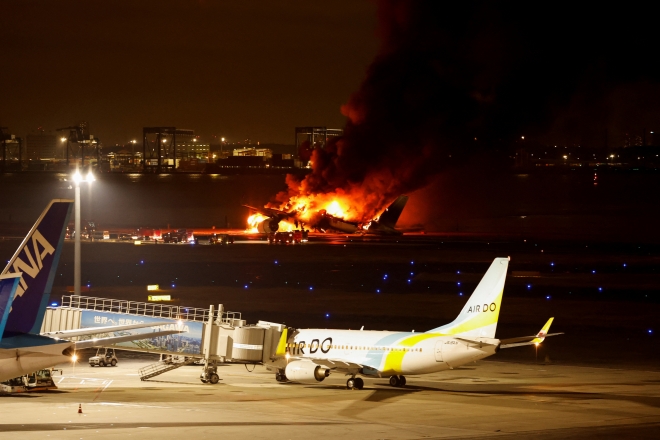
column 393, row 212
column 36, row 261
column 8, row 286
column 479, row 315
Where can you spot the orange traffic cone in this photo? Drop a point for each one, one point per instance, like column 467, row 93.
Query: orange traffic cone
column 79, row 408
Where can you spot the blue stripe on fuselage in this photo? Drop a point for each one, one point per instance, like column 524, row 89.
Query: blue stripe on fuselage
column 25, row 341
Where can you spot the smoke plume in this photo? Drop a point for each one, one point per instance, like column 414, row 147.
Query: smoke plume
column 453, row 79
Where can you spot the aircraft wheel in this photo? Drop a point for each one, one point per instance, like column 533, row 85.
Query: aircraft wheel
column 394, row 381
column 359, row 383
column 214, row 379
column 280, row 377
column 114, row 363
column 350, row 383
column 402, row 381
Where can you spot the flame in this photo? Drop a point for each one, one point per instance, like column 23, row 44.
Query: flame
column 253, row 222
column 335, row 209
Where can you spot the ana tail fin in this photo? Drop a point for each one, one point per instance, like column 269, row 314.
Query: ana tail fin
column 36, row 262
column 479, row 315
column 8, row 286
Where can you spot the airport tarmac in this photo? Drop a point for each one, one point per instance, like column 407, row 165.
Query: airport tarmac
column 484, row 399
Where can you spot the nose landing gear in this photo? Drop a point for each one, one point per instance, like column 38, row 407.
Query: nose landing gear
column 398, row 381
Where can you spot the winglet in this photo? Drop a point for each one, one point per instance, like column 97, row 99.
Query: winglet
column 544, row 331
column 281, row 346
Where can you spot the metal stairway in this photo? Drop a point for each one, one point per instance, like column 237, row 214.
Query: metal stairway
column 161, row 367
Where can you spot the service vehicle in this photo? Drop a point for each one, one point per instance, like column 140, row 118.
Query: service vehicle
column 104, row 357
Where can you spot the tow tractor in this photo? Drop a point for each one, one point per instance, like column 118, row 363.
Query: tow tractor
column 104, row 357
column 41, row 380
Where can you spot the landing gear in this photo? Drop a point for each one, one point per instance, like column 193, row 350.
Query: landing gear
column 280, row 377
column 210, row 373
column 355, row 383
column 398, row 381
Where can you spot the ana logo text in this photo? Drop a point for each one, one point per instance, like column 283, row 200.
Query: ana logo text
column 40, row 249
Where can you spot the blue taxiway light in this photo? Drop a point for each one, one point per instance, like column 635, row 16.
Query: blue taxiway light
column 650, row 331
column 311, row 288
column 600, row 289
column 275, row 261
column 458, row 272
column 377, row 290
column 460, row 293
column 327, row 315
column 593, row 271
column 529, row 286
column 141, row 261
column 552, row 264
column 53, row 304
column 245, row 286
column 547, row 297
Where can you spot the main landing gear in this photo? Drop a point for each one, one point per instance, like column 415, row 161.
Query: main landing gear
column 280, row 377
column 355, row 383
column 398, row 381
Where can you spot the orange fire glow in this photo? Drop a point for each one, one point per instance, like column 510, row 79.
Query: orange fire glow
column 254, row 220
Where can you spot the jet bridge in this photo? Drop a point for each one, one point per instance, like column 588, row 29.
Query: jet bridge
column 211, row 336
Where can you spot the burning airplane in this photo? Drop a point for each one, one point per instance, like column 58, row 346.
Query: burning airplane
column 331, row 217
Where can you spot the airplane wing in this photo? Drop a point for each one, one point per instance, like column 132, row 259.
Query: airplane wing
column 529, row 340
column 117, row 339
column 66, row 334
column 336, row 364
column 270, row 212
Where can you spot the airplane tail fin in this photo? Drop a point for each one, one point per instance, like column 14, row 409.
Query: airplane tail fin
column 8, row 286
column 393, row 212
column 479, row 315
column 36, row 262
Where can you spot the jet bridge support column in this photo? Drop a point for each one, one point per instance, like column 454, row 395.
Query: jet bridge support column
column 210, row 371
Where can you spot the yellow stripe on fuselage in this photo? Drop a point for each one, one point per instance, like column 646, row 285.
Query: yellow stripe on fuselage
column 394, row 359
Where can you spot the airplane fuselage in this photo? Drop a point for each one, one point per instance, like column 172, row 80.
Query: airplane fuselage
column 384, row 353
column 15, row 362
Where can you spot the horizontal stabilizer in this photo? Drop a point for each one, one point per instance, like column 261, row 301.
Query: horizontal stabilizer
column 525, row 340
column 104, row 342
column 487, row 341
column 529, row 340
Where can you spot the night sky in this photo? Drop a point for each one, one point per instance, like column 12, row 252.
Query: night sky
column 556, row 72
column 249, row 69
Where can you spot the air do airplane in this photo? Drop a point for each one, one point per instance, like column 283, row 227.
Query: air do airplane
column 310, row 355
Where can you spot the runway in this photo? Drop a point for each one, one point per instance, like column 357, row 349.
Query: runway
column 484, row 399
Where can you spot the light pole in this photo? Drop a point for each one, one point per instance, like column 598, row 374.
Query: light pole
column 77, row 178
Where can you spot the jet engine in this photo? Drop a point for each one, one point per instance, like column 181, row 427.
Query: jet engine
column 269, row 225
column 301, row 371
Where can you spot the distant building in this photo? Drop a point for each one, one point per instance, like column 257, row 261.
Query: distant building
column 262, row 152
column 41, row 146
